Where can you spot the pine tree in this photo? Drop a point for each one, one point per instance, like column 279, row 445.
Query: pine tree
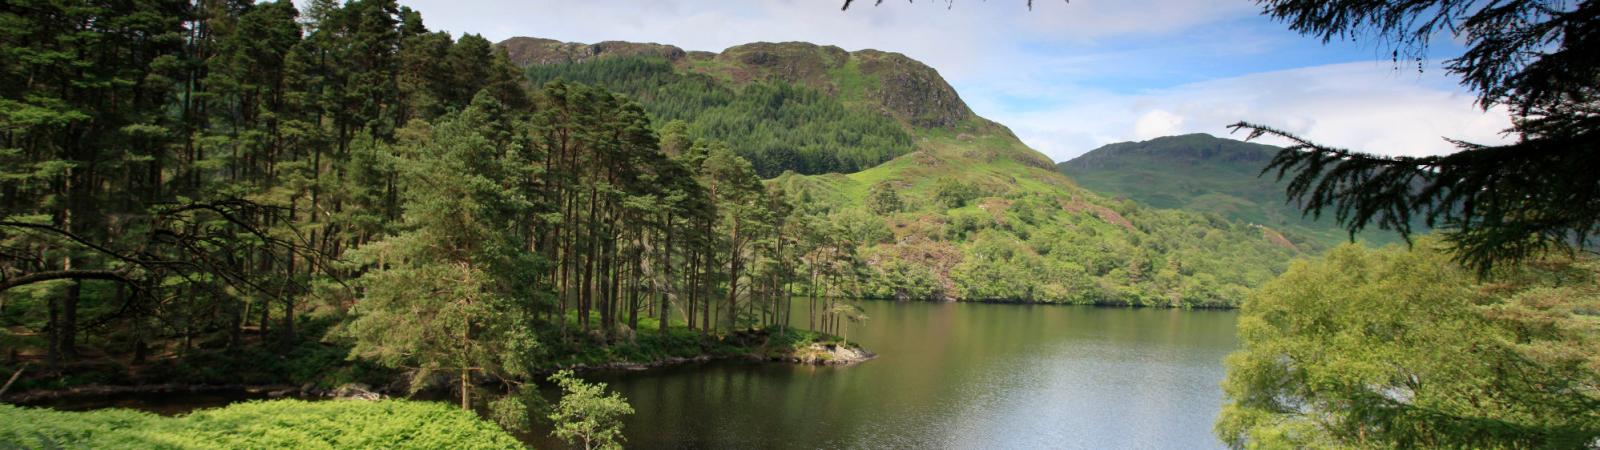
column 439, row 298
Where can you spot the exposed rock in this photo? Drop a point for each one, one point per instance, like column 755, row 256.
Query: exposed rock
column 830, row 355
column 795, row 62
column 912, row 91
column 527, row 51
column 905, row 88
column 354, row 391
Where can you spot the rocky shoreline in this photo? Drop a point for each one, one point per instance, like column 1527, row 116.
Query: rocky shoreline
column 818, row 354
column 815, row 354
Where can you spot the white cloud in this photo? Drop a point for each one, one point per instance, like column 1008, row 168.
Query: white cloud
column 1156, row 123
column 1362, row 106
column 963, row 40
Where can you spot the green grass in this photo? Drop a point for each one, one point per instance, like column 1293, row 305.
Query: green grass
column 388, row 424
column 854, row 86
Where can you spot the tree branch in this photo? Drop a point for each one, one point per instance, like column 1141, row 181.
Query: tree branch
column 36, row 277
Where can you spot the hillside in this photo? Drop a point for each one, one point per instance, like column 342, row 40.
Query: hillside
column 1206, row 174
column 975, row 214
column 785, row 106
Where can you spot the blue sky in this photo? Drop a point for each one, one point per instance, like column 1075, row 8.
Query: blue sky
column 1066, row 77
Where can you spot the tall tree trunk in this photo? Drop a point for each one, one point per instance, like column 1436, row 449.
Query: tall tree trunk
column 666, row 291
column 69, row 321
column 53, row 352
column 466, row 389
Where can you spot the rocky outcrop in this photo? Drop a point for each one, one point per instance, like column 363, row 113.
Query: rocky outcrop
column 830, row 355
column 795, row 62
column 527, row 51
column 354, row 391
column 902, row 87
column 912, row 91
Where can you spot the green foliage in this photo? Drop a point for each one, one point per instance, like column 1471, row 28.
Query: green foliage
column 1029, row 235
column 516, row 412
column 440, row 299
column 191, row 205
column 950, row 194
column 776, row 125
column 1403, row 349
column 394, row 424
column 882, row 199
column 588, row 414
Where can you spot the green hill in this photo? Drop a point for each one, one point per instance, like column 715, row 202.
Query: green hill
column 973, row 213
column 1206, row 174
column 785, row 106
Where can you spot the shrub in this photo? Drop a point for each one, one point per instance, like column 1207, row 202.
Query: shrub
column 389, row 424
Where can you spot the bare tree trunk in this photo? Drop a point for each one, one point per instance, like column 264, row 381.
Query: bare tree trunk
column 69, row 319
column 466, row 389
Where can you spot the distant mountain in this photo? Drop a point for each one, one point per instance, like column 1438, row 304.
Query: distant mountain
column 1205, row 174
column 974, row 213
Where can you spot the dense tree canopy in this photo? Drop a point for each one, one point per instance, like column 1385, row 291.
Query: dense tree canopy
column 189, row 180
column 1402, row 349
column 778, row 126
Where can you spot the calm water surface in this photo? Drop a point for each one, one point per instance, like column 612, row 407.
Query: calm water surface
column 957, row 376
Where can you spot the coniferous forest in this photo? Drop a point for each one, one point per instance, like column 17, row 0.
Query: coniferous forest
column 187, row 181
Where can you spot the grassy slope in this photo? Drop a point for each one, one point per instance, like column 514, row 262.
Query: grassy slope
column 1033, row 235
column 1039, row 236
column 390, row 424
column 1205, row 174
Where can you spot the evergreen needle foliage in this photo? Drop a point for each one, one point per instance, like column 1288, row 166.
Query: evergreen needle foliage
column 187, row 181
column 1502, row 203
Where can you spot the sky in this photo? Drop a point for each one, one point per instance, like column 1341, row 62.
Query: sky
column 1068, row 77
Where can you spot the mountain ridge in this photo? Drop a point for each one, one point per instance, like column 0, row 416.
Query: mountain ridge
column 908, row 90
column 973, row 213
column 1206, row 174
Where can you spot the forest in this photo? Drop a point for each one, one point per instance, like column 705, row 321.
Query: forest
column 973, row 214
column 777, row 125
column 241, row 191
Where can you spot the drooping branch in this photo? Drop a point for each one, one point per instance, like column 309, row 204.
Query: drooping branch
column 1498, row 203
column 76, row 274
column 80, row 240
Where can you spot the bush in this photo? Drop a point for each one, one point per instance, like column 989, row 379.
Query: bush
column 390, row 424
column 1398, row 348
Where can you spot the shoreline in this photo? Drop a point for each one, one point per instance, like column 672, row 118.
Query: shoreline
column 815, row 354
column 1003, row 301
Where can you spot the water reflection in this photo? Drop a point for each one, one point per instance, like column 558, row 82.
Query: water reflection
column 957, row 376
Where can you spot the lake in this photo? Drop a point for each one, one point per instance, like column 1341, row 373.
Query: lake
column 956, row 376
